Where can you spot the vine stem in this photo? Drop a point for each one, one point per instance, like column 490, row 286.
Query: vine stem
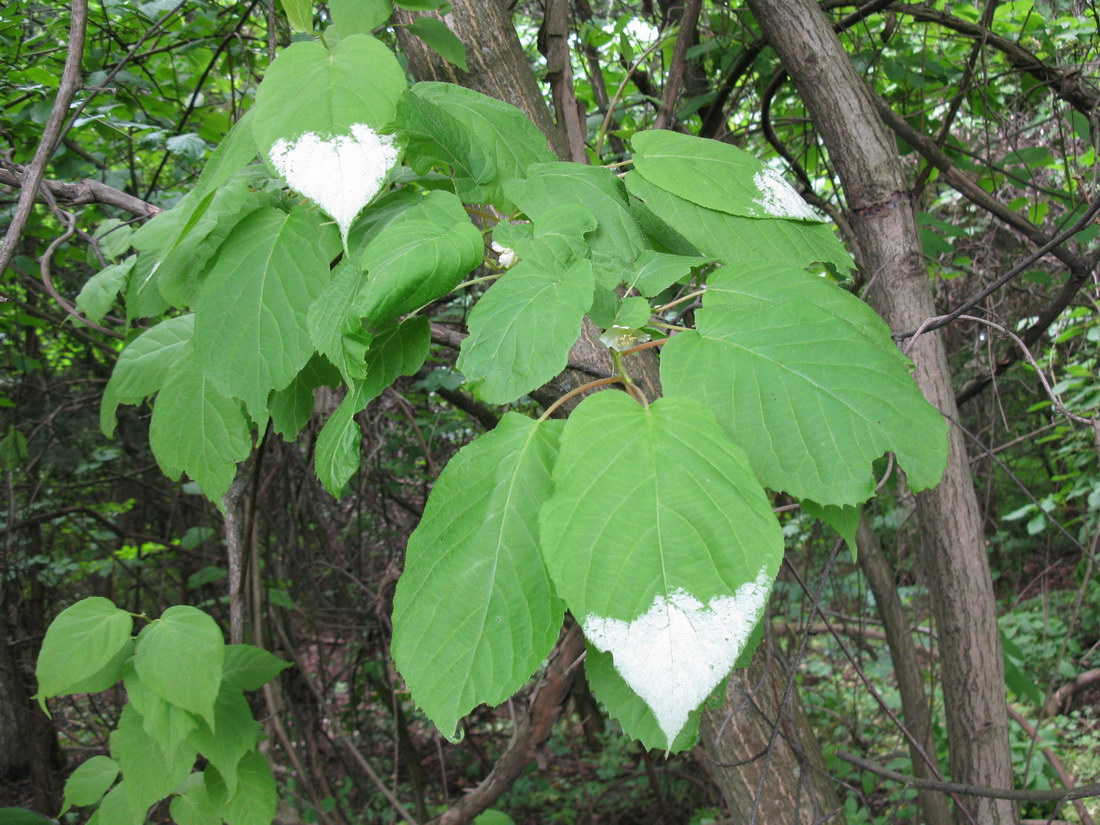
column 601, row 382
column 639, row 347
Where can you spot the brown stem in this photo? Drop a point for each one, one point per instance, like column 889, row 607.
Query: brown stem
column 666, row 116
column 51, row 135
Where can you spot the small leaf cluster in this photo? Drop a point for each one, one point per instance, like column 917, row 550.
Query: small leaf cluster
column 185, row 689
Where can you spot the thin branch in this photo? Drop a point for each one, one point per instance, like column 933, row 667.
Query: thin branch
column 1067, row 795
column 1050, row 246
column 70, row 81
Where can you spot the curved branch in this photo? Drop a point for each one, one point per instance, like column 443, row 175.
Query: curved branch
column 87, row 191
column 70, row 82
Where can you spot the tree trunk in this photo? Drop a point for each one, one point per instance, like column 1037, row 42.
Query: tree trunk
column 499, row 68
column 796, row 790
column 903, row 653
column 881, row 213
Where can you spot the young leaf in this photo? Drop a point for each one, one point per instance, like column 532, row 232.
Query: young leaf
column 148, row 776
column 317, row 119
column 79, row 642
column 144, row 366
column 249, row 668
column 417, row 257
column 255, row 801
column 522, row 329
column 733, row 239
column 441, row 40
column 676, row 539
column 810, row 398
column 617, row 240
column 474, row 612
column 844, row 519
column 398, row 350
column 87, row 784
column 497, row 129
column 179, row 657
column 254, row 304
column 198, row 430
column 100, row 293
column 717, row 176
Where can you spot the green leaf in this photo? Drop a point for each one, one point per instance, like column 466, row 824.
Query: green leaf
column 499, row 130
column 617, row 241
column 167, row 725
column 751, row 283
column 633, row 313
column 653, row 271
column 556, row 241
column 676, row 540
column 82, row 639
column 255, row 801
column 628, row 709
column 21, row 816
column 117, row 809
column 108, row 675
column 299, row 13
column 198, row 430
column 843, row 519
column 254, row 304
column 148, row 776
column 717, row 176
column 249, row 668
column 145, row 365
column 179, row 657
column 100, row 293
column 809, row 396
column 419, row 256
column 317, row 119
column 13, row 448
column 87, row 784
column 398, row 350
column 182, row 270
column 431, row 130
column 733, row 239
column 359, row 16
column 292, row 407
column 310, row 89
column 522, row 329
column 474, row 612
column 194, row 806
column 234, row 734
column 441, row 40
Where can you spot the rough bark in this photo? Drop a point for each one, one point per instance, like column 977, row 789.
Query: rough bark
column 798, row 790
column 954, row 553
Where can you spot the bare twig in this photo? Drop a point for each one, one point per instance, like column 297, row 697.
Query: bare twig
column 87, row 191
column 689, row 17
column 1066, row 795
